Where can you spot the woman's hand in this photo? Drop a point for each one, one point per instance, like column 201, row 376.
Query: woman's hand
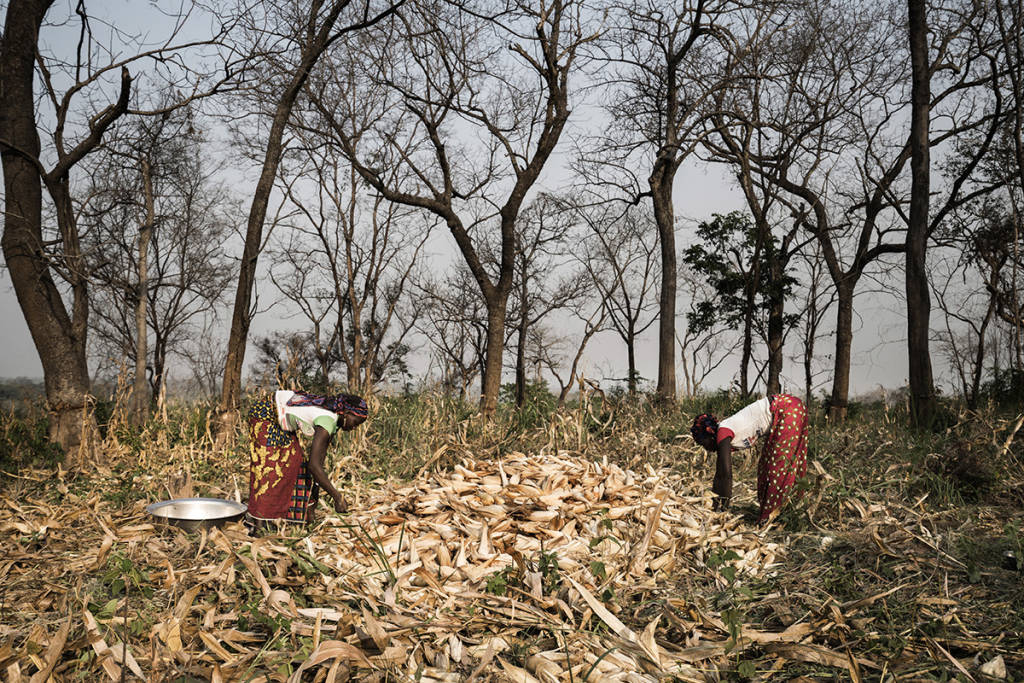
column 339, row 503
column 311, row 512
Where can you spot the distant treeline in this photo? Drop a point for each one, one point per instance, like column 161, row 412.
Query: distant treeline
column 20, row 389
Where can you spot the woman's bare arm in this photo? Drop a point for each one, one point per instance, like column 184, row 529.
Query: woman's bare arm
column 317, row 458
column 722, row 486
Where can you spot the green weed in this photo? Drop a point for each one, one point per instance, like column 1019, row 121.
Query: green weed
column 24, row 441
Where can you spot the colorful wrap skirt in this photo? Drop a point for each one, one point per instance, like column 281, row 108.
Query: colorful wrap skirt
column 784, row 455
column 280, row 485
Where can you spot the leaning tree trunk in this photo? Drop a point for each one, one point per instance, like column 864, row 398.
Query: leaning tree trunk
column 241, row 317
column 922, row 388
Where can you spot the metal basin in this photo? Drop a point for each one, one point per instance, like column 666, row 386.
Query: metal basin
column 197, row 513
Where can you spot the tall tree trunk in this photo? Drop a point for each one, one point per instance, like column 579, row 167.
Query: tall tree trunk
column 359, row 378
column 157, row 383
column 922, row 388
column 687, row 378
column 811, row 333
column 750, row 298
column 808, row 378
column 58, row 337
column 140, row 397
column 241, row 316
column 840, row 399
column 1010, row 16
column 746, row 352
column 661, row 182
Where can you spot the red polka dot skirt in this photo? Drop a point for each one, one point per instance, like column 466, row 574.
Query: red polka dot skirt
column 784, row 455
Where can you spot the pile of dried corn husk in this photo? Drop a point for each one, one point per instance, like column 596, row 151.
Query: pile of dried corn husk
column 429, row 558
column 499, row 568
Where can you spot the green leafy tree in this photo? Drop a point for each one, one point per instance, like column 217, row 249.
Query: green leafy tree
column 731, row 255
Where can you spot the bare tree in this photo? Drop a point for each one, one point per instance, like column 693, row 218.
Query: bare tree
column 775, row 241
column 922, row 386
column 593, row 316
column 955, row 99
column 542, row 284
column 287, row 359
column 621, row 263
column 661, row 62
column 838, row 151
column 967, row 315
column 454, row 324
column 154, row 224
column 345, row 264
column 41, row 264
column 292, row 37
column 204, row 359
column 482, row 96
column 746, row 268
column 817, row 300
column 984, row 245
column 1009, row 16
column 702, row 349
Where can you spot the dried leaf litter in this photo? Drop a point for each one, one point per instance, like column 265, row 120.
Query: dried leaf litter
column 524, row 568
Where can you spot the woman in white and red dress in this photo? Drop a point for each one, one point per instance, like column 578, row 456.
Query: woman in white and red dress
column 783, row 418
column 283, row 483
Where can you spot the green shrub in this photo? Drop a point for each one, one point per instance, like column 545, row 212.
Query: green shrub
column 24, row 441
column 1006, row 388
column 538, row 404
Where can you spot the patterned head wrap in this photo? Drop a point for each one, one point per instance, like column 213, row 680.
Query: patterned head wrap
column 342, row 404
column 703, row 425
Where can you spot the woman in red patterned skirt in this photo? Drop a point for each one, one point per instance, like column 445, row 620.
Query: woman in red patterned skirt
column 283, row 483
column 783, row 456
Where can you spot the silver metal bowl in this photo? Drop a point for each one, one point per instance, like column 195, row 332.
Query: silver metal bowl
column 197, row 513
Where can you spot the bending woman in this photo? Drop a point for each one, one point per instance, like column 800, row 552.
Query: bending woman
column 283, row 483
column 783, row 455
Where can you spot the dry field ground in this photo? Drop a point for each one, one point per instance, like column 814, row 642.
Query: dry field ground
column 577, row 545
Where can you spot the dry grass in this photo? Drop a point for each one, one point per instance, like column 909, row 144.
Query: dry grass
column 569, row 546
